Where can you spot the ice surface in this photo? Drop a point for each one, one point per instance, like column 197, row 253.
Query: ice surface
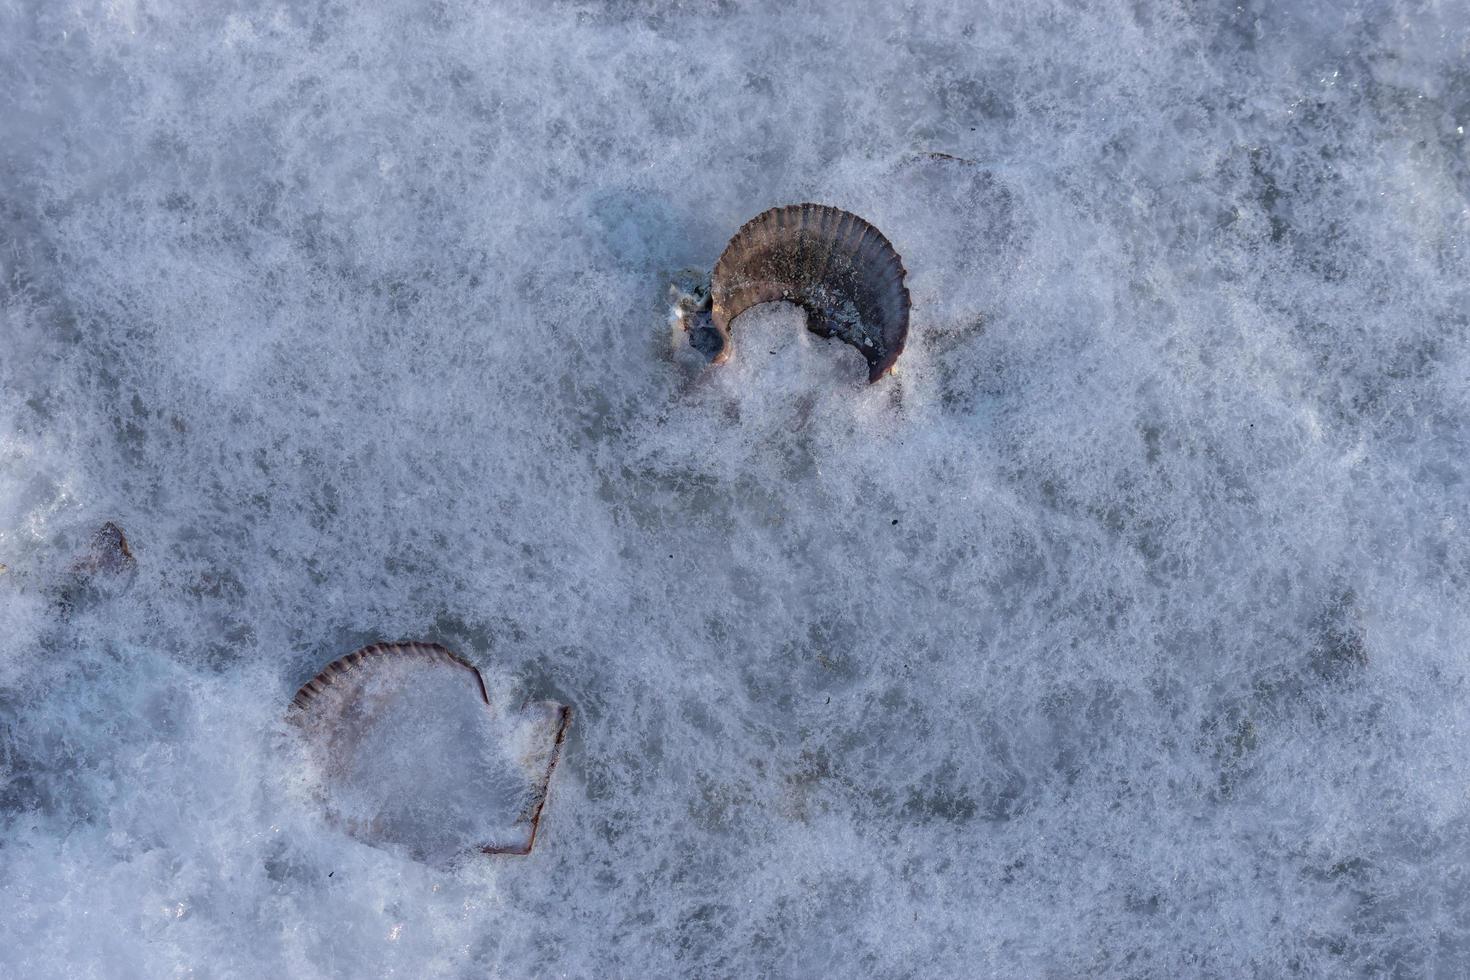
column 1122, row 632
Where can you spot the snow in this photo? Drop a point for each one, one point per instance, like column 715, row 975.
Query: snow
column 1121, row 632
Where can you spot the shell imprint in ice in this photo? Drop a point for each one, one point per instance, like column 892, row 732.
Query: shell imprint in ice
column 408, row 747
column 831, row 263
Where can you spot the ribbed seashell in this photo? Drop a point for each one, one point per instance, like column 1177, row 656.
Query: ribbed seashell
column 409, row 748
column 831, row 263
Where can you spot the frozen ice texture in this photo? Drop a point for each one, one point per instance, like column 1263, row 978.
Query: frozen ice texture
column 1016, row 663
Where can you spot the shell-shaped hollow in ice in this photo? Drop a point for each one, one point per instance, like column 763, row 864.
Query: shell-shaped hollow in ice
column 832, row 263
column 409, row 748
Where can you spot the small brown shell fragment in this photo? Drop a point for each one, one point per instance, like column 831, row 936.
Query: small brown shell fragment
column 101, row 570
column 833, row 264
column 107, row 553
column 408, row 747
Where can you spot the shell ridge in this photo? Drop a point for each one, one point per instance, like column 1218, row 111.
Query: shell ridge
column 358, row 659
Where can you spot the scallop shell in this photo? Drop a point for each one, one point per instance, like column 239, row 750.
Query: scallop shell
column 832, row 263
column 407, row 747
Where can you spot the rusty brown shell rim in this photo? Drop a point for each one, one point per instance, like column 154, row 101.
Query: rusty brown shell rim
column 563, row 722
column 732, row 292
column 343, row 667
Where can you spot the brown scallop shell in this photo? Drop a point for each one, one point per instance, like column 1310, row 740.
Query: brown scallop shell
column 833, row 264
column 328, row 705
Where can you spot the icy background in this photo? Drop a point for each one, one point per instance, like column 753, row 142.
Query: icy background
column 1123, row 632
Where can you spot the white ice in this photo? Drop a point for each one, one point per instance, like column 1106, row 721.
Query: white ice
column 1122, row 632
